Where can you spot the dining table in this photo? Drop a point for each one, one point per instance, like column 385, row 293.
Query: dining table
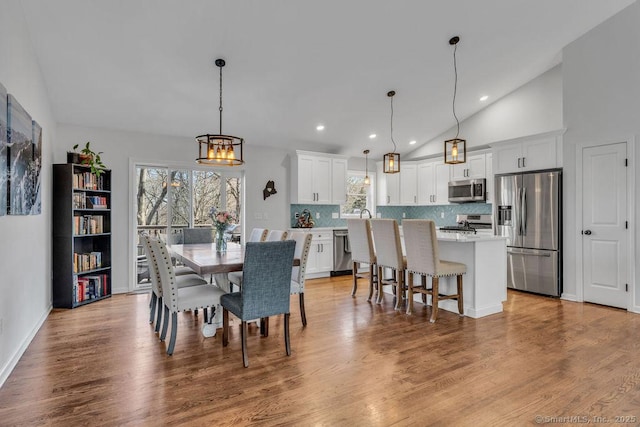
column 204, row 259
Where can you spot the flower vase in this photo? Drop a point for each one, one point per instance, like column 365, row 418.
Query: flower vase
column 221, row 243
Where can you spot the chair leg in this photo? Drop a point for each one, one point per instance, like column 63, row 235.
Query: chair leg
column 434, row 299
column 152, row 310
column 225, row 327
column 174, row 330
column 264, row 326
column 303, row 314
column 159, row 314
column 460, row 301
column 206, row 314
column 380, row 278
column 423, row 285
column 371, row 278
column 410, row 293
column 165, row 324
column 243, row 333
column 399, row 288
column 355, row 279
column 287, row 341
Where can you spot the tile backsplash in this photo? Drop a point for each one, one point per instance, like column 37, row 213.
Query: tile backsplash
column 442, row 215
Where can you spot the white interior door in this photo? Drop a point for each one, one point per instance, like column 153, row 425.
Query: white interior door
column 604, row 234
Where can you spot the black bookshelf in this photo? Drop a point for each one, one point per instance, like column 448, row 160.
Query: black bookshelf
column 81, row 235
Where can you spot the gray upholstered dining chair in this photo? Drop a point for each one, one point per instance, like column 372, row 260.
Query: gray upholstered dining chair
column 423, row 258
column 176, row 299
column 257, row 235
column 197, row 235
column 265, row 290
column 183, row 280
column 386, row 237
column 362, row 252
column 303, row 244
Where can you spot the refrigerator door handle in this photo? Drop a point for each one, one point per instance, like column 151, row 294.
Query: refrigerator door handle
column 540, row 254
column 523, row 211
column 519, row 214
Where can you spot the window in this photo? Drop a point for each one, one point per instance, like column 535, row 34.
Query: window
column 359, row 195
column 169, row 199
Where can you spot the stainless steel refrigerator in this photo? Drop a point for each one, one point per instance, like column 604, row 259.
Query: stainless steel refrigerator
column 527, row 211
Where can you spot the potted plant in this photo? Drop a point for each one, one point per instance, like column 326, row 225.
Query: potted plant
column 87, row 157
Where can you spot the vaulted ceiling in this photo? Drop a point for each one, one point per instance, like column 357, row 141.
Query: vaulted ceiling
column 148, row 65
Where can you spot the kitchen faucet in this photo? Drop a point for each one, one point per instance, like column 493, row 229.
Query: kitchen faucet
column 368, row 212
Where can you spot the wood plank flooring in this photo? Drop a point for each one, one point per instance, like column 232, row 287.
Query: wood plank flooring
column 356, row 364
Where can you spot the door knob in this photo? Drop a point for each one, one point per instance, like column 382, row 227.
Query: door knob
column 587, row 232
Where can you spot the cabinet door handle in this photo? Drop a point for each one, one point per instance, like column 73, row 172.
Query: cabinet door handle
column 415, row 200
column 518, row 162
column 523, row 162
column 388, row 199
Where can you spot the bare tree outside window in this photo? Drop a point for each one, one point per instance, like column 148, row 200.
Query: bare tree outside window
column 357, row 195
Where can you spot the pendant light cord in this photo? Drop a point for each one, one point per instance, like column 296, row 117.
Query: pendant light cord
column 220, row 100
column 455, row 89
column 394, row 143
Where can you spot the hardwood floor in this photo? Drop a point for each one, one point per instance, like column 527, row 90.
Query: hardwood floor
column 356, row 363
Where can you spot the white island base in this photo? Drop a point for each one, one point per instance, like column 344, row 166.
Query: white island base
column 484, row 284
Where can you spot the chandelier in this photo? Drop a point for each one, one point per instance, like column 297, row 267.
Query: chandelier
column 219, row 149
column 455, row 150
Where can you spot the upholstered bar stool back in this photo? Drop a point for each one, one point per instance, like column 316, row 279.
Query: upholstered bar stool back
column 388, row 248
column 362, row 252
column 423, row 258
column 276, row 236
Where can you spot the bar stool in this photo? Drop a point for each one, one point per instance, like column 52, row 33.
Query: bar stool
column 423, row 258
column 362, row 252
column 386, row 237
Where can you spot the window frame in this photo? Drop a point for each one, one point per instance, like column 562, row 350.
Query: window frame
column 371, row 194
column 134, row 164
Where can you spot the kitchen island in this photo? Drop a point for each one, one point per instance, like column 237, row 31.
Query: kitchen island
column 484, row 284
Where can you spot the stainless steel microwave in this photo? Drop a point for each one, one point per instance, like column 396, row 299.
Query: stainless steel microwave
column 471, row 190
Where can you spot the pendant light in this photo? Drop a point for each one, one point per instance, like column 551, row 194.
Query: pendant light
column 367, row 181
column 220, row 150
column 391, row 161
column 455, row 150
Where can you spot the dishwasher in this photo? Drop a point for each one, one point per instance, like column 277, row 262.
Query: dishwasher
column 341, row 253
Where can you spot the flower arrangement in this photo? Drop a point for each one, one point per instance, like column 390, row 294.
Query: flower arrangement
column 221, row 219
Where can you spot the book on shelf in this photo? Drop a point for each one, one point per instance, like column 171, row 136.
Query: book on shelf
column 88, row 224
column 90, row 287
column 86, row 261
column 88, row 181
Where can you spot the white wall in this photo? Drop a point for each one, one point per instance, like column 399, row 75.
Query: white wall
column 601, row 73
column 534, row 108
column 25, row 252
column 262, row 164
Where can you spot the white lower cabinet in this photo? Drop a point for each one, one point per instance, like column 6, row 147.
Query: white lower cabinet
column 320, row 261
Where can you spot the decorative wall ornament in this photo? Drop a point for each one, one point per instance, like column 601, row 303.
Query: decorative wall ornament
column 4, row 173
column 269, row 189
column 24, row 161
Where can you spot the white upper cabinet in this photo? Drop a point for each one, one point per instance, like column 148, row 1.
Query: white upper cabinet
column 408, row 183
column 532, row 153
column 473, row 168
column 314, row 180
column 433, row 182
column 388, row 186
column 338, row 181
column 426, row 188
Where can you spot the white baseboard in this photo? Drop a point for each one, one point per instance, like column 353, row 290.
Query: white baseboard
column 13, row 361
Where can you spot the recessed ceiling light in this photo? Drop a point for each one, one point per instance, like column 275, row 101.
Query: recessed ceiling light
column 373, row 135
column 484, row 98
column 320, row 127
column 412, row 142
